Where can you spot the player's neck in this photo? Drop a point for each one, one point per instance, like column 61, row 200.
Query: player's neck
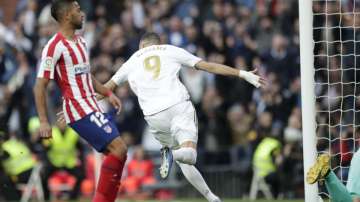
column 148, row 45
column 67, row 31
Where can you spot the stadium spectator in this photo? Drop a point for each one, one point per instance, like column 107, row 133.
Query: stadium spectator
column 64, row 153
column 292, row 152
column 240, row 122
column 17, row 163
column 140, row 172
column 267, row 157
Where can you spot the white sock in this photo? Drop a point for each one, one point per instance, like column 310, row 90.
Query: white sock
column 185, row 155
column 194, row 177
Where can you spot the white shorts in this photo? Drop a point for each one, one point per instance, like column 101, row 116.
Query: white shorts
column 175, row 125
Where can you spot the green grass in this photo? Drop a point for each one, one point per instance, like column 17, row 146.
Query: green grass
column 189, row 200
column 226, row 200
column 201, row 200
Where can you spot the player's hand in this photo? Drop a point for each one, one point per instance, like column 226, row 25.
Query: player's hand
column 60, row 117
column 45, row 130
column 252, row 78
column 99, row 97
column 115, row 101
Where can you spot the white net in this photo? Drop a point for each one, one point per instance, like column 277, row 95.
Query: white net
column 336, row 30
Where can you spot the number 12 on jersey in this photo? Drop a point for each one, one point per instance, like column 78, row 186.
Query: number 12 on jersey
column 99, row 119
column 152, row 64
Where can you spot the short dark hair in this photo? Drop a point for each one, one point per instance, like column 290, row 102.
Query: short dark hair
column 58, row 7
column 151, row 36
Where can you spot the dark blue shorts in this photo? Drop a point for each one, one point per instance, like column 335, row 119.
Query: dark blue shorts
column 96, row 129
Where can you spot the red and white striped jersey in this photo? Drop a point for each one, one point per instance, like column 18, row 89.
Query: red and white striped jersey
column 67, row 62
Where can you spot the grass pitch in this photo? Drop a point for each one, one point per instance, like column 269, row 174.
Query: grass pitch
column 225, row 200
column 198, row 200
column 201, row 200
column 188, row 200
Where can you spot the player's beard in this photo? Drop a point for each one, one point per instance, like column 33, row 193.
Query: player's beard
column 78, row 25
column 77, row 22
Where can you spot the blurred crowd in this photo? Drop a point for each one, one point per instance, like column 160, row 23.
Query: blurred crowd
column 233, row 116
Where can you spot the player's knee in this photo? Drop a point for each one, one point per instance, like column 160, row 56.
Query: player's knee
column 189, row 155
column 118, row 147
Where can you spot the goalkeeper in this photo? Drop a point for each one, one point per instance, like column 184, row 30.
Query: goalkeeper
column 338, row 192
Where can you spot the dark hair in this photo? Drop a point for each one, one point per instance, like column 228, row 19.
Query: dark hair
column 58, row 7
column 150, row 36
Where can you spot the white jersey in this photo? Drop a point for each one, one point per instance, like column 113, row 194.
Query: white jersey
column 153, row 75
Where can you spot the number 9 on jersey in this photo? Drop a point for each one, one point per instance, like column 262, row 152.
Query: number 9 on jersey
column 152, row 64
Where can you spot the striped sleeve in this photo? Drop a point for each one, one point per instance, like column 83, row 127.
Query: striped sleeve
column 49, row 58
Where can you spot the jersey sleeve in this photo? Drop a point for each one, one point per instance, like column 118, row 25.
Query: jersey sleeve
column 49, row 58
column 184, row 57
column 122, row 73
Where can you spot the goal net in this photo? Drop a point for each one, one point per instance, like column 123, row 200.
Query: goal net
column 336, row 63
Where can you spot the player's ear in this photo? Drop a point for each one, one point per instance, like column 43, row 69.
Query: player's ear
column 67, row 15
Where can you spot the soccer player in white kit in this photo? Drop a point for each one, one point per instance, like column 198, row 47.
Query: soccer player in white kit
column 153, row 75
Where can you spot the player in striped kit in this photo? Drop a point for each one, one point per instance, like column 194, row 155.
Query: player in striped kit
column 65, row 59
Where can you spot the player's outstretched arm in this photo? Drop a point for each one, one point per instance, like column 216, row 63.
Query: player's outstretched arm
column 225, row 70
column 111, row 85
column 41, row 106
column 107, row 92
column 119, row 78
